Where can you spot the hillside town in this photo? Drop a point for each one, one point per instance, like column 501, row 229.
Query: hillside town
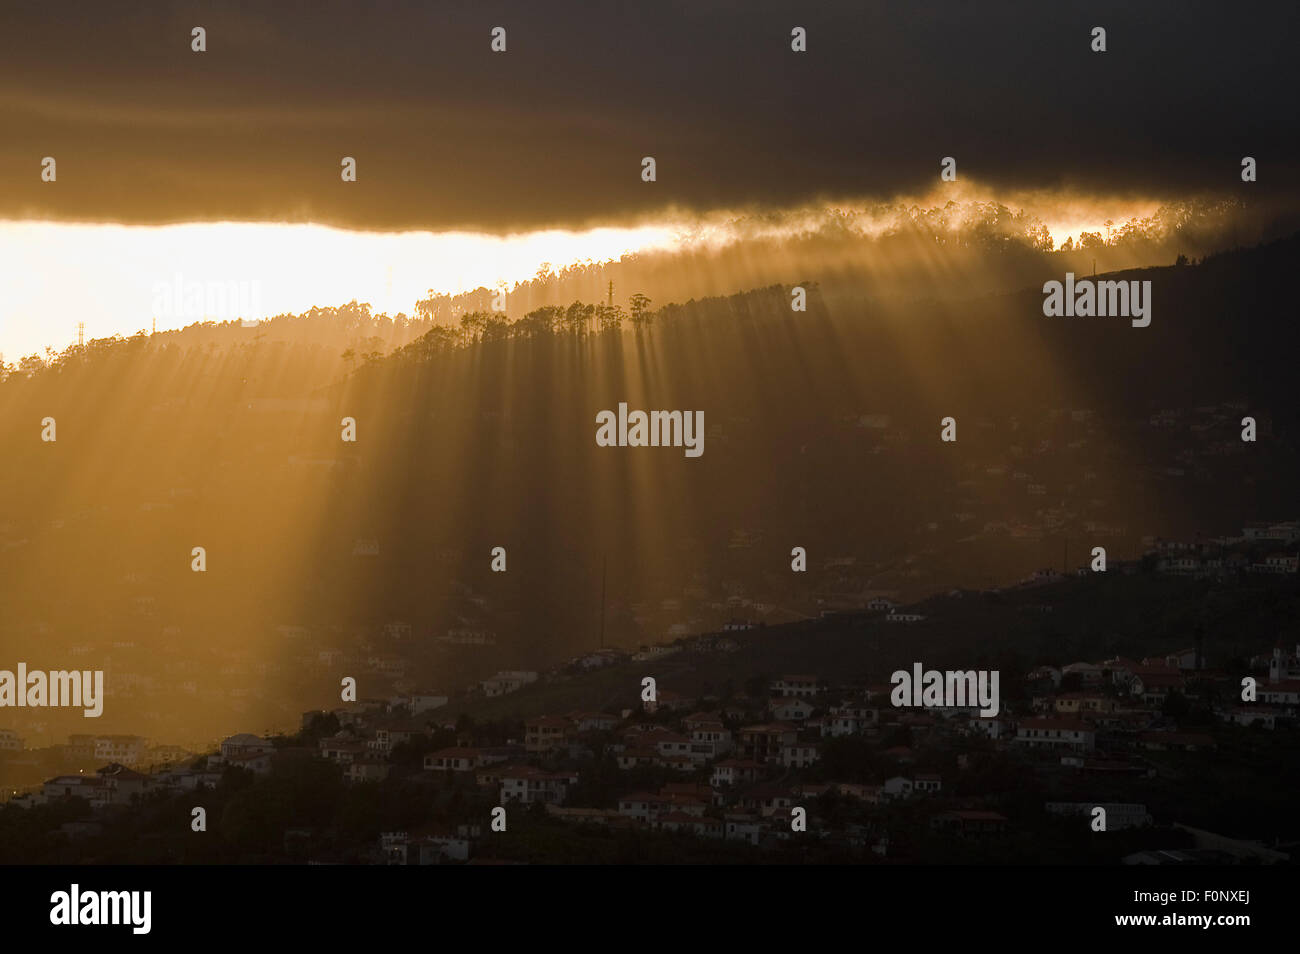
column 789, row 759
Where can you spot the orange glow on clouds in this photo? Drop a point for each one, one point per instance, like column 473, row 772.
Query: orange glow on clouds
column 119, row 279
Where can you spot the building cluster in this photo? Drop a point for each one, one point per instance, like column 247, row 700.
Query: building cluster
column 1260, row 548
column 135, row 770
column 740, row 769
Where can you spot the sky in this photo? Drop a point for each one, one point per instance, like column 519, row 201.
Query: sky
column 551, row 133
column 547, row 138
column 120, row 279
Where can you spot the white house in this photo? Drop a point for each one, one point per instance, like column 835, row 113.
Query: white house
column 421, row 700
column 671, row 745
column 528, row 785
column 245, row 744
column 795, row 687
column 1090, row 674
column 642, row 806
column 438, row 849
column 743, row 828
column 126, row 749
column 736, row 772
column 1057, row 733
column 996, row 727
column 122, row 784
column 507, row 682
column 791, row 709
column 799, row 754
column 896, row 617
column 709, row 741
column 90, row 787
column 898, row 786
column 1284, row 666
column 257, row 762
column 1276, row 563
column 453, row 759
column 593, row 721
column 927, row 784
column 849, row 718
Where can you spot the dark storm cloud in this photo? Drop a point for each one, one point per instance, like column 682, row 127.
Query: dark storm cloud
column 448, row 134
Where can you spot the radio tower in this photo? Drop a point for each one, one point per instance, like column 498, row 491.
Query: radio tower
column 611, row 293
column 81, row 334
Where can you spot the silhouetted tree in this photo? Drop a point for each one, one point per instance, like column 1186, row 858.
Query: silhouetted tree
column 640, row 305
